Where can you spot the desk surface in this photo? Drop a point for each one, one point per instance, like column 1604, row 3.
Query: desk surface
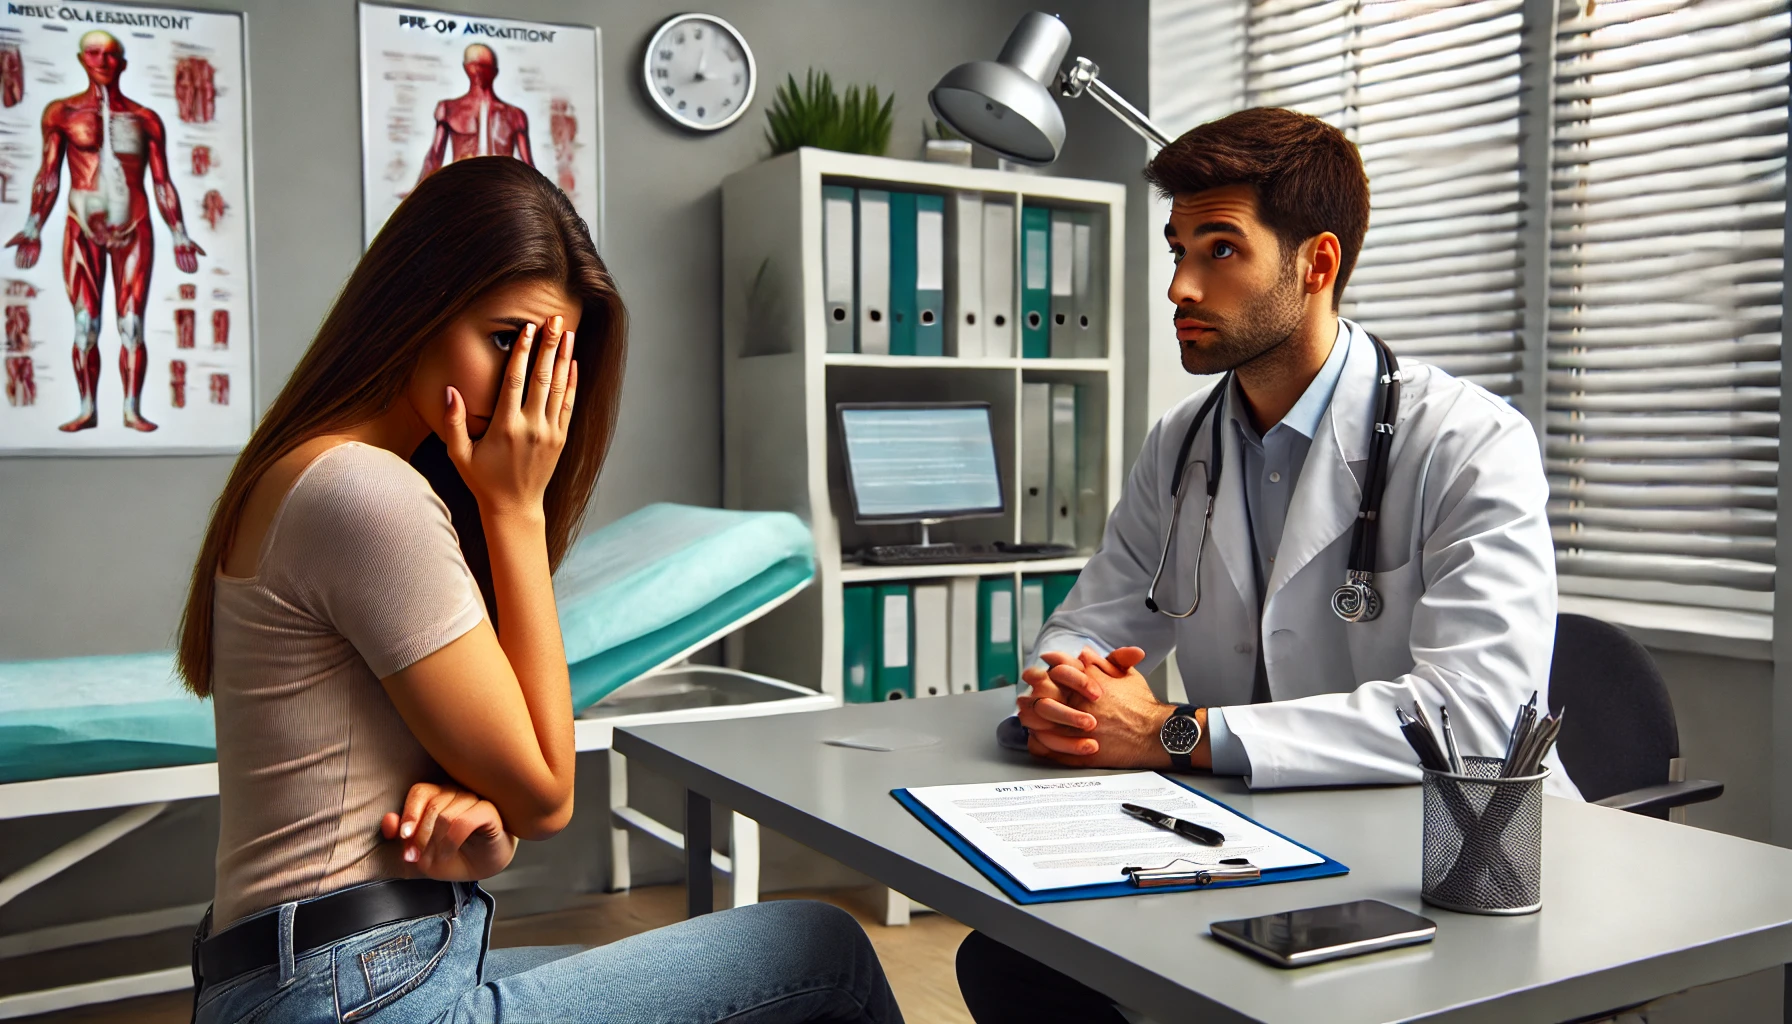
column 1610, row 934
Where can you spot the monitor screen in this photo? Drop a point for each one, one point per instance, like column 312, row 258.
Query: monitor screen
column 920, row 461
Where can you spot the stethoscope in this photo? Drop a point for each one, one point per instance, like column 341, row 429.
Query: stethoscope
column 1356, row 600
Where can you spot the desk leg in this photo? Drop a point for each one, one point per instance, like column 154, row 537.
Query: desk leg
column 1786, row 1009
column 699, row 884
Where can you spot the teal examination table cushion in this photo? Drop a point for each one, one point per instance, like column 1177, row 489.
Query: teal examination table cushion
column 632, row 595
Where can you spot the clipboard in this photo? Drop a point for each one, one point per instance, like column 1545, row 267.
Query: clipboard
column 1107, row 890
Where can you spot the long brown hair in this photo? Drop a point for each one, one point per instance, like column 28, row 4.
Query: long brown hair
column 468, row 227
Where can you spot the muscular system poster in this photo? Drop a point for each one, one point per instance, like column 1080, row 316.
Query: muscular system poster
column 438, row 87
column 124, row 169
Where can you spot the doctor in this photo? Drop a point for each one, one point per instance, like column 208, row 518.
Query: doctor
column 1269, row 208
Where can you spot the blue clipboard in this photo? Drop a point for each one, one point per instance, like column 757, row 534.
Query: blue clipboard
column 1107, row 890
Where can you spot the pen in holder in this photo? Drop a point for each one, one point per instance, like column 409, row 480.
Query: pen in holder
column 1483, row 839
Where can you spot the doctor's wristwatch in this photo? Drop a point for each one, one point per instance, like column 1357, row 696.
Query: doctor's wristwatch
column 1180, row 735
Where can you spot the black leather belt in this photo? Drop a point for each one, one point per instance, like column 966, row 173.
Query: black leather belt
column 254, row 944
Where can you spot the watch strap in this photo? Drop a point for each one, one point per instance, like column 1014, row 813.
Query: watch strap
column 1185, row 762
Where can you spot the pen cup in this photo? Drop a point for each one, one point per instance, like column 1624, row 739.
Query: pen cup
column 1483, row 839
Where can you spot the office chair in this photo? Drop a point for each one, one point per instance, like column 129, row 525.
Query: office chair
column 1620, row 744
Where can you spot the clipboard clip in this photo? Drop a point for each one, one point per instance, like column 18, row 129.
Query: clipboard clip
column 1186, row 872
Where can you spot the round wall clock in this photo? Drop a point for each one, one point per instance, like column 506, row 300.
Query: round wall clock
column 699, row 72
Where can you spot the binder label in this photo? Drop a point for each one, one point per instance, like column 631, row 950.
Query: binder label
column 837, row 215
column 1001, row 618
column 895, row 645
column 930, row 250
column 1035, row 260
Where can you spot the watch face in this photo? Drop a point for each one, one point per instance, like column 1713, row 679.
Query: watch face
column 1180, row 734
column 700, row 72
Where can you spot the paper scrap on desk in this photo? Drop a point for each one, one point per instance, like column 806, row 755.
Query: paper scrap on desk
column 1057, row 833
column 884, row 740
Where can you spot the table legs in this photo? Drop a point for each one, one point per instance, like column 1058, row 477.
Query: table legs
column 1786, row 1008
column 699, row 885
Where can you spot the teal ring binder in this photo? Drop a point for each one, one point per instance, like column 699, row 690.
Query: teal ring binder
column 1026, row 897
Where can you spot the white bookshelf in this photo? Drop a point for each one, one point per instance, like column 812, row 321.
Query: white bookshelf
column 780, row 385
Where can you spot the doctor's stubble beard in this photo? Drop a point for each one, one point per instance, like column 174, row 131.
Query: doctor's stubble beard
column 1257, row 332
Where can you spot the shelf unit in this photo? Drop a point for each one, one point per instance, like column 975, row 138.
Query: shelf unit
column 780, row 385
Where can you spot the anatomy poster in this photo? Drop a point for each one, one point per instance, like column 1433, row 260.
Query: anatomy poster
column 438, row 87
column 124, row 208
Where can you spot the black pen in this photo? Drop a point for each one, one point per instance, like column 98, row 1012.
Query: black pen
column 1186, row 829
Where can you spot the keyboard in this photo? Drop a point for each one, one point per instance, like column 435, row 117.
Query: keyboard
column 940, row 554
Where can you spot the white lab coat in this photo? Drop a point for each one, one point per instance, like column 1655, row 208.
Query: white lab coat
column 1465, row 568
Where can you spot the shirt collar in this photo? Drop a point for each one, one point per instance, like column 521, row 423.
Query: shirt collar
column 1305, row 416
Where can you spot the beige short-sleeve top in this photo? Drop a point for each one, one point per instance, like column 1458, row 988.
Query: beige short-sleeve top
column 360, row 576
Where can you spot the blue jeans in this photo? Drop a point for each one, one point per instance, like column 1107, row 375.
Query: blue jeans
column 784, row 961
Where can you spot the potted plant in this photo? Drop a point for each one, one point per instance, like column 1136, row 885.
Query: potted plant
column 814, row 115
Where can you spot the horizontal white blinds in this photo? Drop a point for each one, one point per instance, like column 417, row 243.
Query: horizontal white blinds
column 1667, row 223
column 1429, row 92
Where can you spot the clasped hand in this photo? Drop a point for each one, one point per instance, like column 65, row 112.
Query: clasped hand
column 450, row 833
column 1093, row 712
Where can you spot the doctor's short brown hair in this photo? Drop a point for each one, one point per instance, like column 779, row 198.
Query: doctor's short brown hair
column 1308, row 177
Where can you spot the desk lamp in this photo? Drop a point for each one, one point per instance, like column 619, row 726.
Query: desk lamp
column 1005, row 104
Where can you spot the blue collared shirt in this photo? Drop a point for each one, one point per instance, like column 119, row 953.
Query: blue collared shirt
column 1272, row 464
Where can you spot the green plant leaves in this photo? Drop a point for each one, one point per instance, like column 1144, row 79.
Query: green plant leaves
column 814, row 115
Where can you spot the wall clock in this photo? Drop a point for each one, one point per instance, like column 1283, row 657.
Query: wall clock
column 700, row 72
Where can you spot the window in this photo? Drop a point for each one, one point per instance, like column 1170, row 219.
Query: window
column 1659, row 365
column 1667, row 234
column 1429, row 92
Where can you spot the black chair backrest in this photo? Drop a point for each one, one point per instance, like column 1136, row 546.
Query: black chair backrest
column 1620, row 731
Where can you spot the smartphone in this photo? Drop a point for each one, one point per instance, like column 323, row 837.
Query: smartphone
column 1300, row 937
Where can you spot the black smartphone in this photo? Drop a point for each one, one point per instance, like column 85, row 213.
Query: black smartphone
column 1300, row 937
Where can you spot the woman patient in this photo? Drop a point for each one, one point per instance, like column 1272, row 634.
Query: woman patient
column 381, row 746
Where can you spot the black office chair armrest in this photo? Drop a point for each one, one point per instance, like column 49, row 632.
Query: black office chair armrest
column 1664, row 796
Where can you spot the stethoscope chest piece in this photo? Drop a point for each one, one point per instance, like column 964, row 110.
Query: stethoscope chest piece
column 1356, row 600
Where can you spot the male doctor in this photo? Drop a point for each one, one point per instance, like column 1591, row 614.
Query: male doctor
column 1269, row 208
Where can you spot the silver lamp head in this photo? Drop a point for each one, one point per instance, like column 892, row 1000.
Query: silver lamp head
column 1006, row 104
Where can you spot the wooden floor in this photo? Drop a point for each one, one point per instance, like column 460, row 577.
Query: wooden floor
column 917, row 958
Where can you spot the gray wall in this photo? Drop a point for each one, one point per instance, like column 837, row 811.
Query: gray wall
column 96, row 552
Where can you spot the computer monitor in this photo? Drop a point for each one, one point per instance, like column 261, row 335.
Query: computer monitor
column 910, row 462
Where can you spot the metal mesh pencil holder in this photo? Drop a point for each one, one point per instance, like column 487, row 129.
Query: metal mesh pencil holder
column 1484, row 839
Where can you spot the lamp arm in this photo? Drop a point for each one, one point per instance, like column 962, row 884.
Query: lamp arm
column 1084, row 75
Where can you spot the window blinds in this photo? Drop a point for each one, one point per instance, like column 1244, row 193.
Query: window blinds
column 1429, row 92
column 1667, row 223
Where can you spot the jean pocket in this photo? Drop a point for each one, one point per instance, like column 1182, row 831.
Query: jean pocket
column 378, row 968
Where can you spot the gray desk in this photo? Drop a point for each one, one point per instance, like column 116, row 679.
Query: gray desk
column 1611, row 932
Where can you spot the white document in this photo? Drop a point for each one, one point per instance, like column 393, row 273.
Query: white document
column 931, row 638
column 965, row 299
column 1057, row 833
